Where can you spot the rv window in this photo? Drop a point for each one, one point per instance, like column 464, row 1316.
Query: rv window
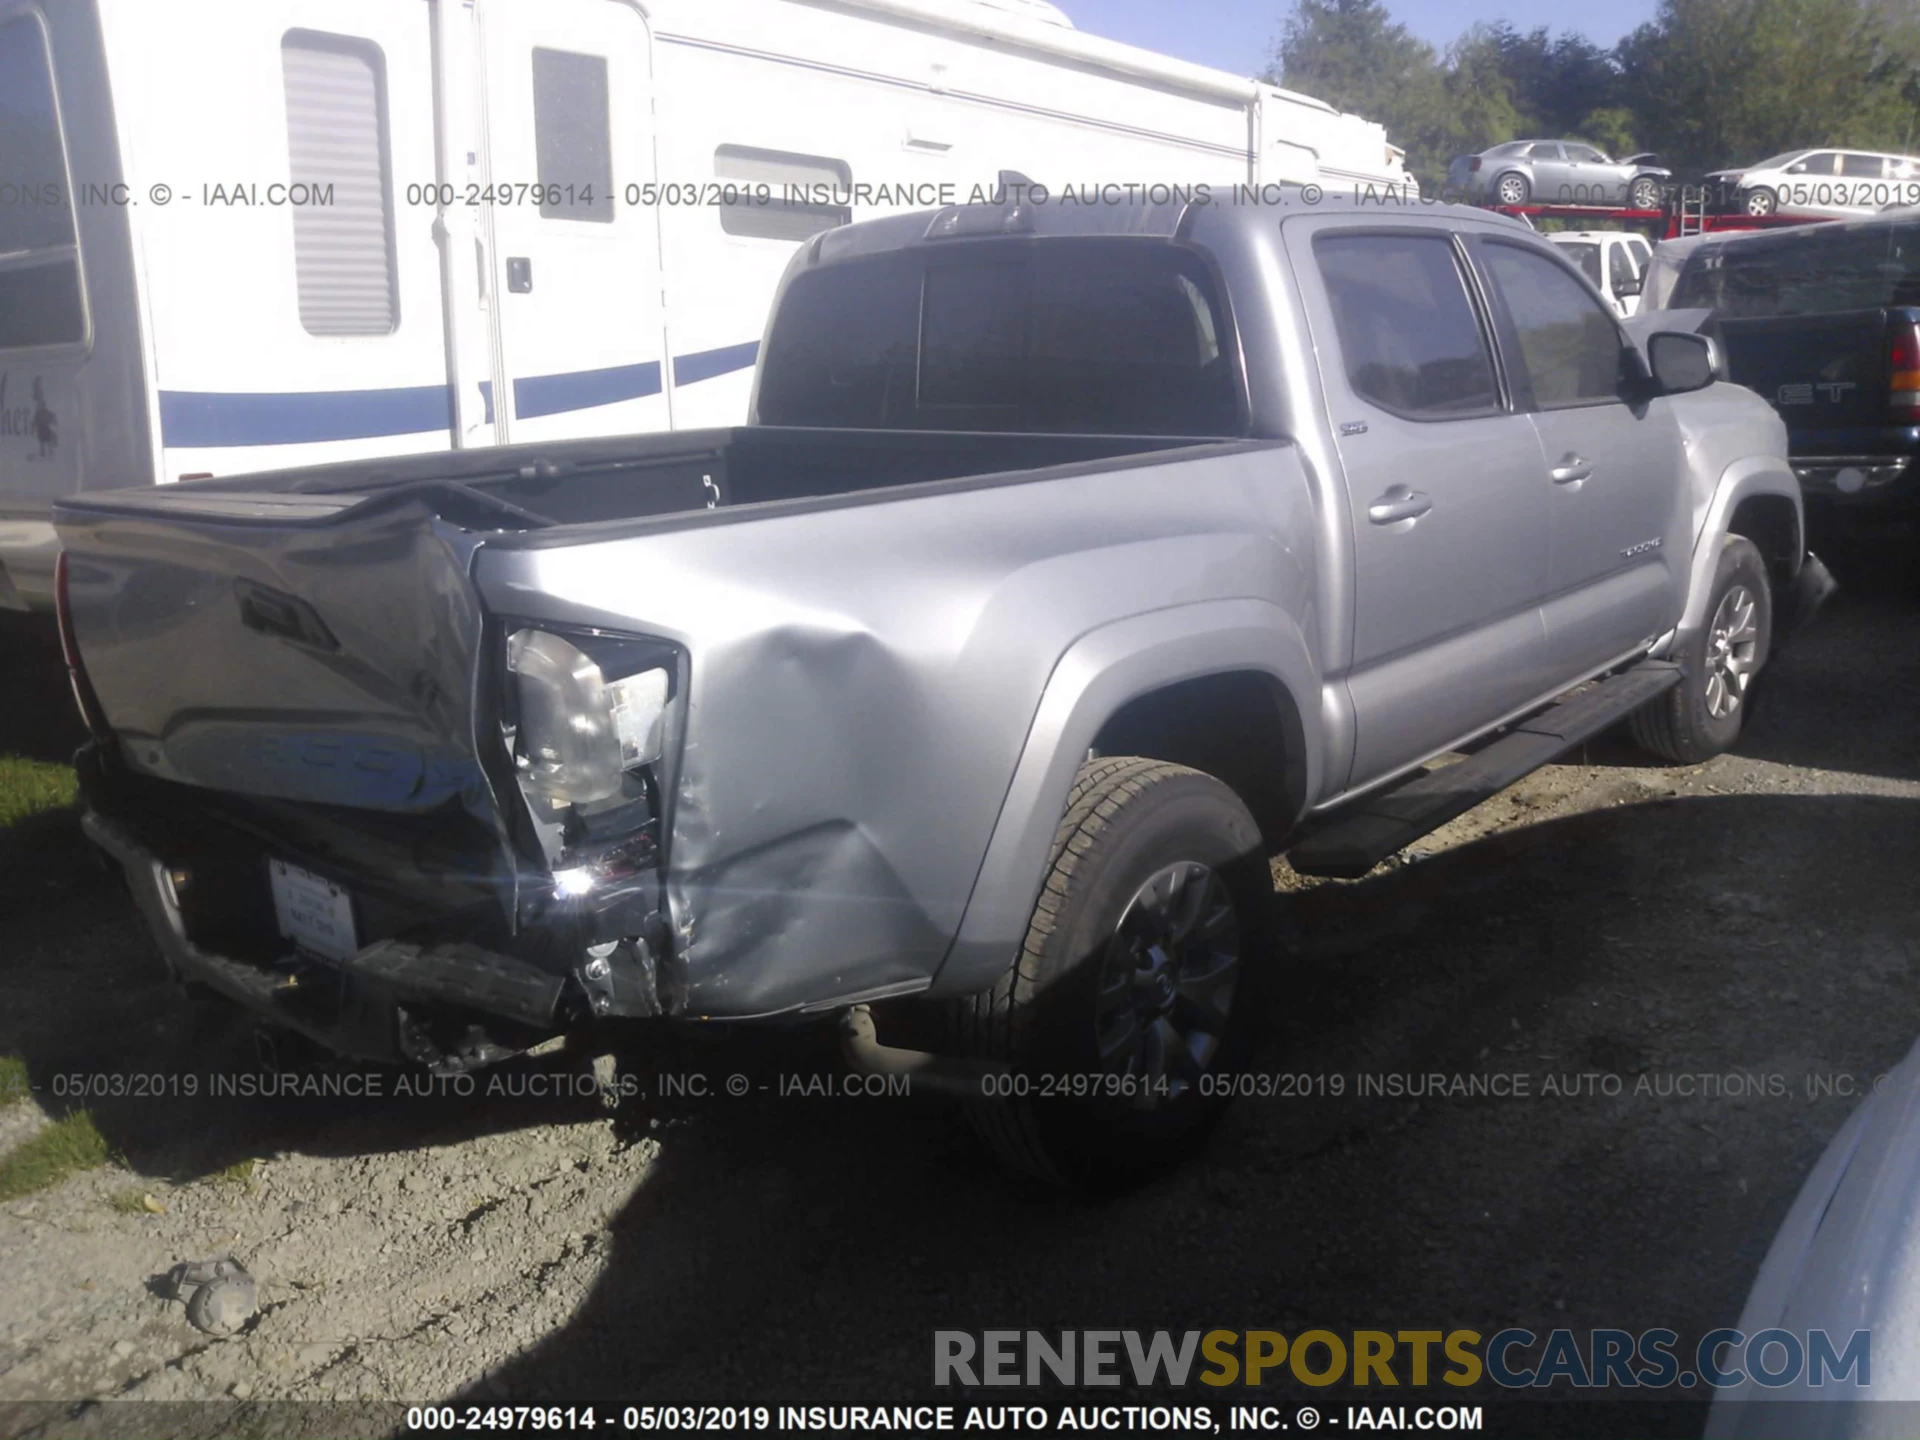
column 572, row 136
column 40, row 300
column 771, row 195
column 1065, row 336
column 337, row 146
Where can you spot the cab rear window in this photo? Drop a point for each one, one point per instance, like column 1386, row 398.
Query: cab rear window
column 1820, row 273
column 1067, row 336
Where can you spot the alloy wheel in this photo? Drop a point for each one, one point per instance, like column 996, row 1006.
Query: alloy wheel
column 1733, row 643
column 1167, row 983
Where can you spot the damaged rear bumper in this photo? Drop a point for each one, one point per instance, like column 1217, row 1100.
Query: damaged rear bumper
column 372, row 1006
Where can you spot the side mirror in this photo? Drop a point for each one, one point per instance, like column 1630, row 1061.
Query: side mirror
column 1799, row 167
column 1629, row 285
column 1681, row 362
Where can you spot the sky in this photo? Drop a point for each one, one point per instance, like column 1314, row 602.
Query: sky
column 1238, row 35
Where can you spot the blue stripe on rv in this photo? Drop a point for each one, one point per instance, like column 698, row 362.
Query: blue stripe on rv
column 212, row 419
column 194, row 417
column 705, row 364
column 536, row 395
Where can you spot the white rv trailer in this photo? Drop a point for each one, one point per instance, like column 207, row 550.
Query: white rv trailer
column 240, row 234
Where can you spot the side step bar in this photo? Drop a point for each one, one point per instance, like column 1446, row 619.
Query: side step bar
column 1376, row 826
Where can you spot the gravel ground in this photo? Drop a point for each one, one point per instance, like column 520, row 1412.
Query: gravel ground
column 1753, row 917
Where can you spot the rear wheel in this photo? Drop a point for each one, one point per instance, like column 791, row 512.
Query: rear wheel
column 1701, row 716
column 1512, row 189
column 1760, row 201
column 1131, row 999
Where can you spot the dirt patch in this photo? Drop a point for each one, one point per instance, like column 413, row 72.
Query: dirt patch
column 1681, row 962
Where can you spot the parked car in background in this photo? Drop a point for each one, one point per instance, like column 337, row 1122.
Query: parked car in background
column 1824, row 322
column 1557, row 172
column 1614, row 260
column 1072, row 561
column 1843, row 1263
column 1823, row 183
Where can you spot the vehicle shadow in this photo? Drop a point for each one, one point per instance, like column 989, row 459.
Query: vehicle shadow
column 38, row 720
column 789, row 1250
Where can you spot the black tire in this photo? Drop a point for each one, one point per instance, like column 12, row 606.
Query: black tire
column 1127, row 821
column 1643, row 193
column 1759, row 201
column 1691, row 723
column 1520, row 187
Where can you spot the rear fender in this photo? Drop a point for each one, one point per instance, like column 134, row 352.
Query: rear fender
column 1100, row 673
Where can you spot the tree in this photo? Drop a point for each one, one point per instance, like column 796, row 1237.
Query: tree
column 1353, row 55
column 1705, row 84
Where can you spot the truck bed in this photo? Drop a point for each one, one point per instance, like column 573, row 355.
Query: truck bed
column 631, row 478
column 307, row 665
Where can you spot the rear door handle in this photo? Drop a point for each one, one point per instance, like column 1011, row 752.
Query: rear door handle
column 1570, row 469
column 1399, row 503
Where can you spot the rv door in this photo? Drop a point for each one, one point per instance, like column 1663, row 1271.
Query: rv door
column 578, row 325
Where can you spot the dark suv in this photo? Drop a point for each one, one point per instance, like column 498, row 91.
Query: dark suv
column 1824, row 322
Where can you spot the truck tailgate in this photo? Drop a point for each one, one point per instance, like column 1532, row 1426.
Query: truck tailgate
column 289, row 647
column 1823, row 373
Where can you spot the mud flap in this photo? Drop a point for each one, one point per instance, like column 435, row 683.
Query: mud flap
column 1811, row 589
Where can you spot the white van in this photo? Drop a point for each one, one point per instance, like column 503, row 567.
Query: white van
column 1614, row 260
column 241, row 234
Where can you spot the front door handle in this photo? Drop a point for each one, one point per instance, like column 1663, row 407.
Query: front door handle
column 1399, row 503
column 1570, row 469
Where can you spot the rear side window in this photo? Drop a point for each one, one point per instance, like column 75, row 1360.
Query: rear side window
column 1620, row 268
column 1569, row 344
column 573, row 136
column 1095, row 337
column 1587, row 256
column 337, row 146
column 1409, row 336
column 1820, row 273
column 40, row 298
column 1863, row 167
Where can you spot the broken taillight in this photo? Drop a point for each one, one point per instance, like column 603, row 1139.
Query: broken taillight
column 83, row 696
column 1903, row 365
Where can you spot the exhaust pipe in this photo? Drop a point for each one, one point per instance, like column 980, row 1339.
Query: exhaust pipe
column 937, row 1074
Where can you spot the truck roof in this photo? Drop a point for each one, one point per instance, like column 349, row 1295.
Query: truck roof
column 1077, row 212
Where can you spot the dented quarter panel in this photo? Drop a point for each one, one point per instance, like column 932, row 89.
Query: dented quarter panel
column 864, row 681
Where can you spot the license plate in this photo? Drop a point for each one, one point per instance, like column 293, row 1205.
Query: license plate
column 314, row 913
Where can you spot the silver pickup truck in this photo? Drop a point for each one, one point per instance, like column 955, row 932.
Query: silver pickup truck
column 1074, row 563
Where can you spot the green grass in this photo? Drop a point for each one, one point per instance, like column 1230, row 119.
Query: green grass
column 13, row 1080
column 238, row 1173
column 64, row 1148
column 130, row 1201
column 29, row 786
